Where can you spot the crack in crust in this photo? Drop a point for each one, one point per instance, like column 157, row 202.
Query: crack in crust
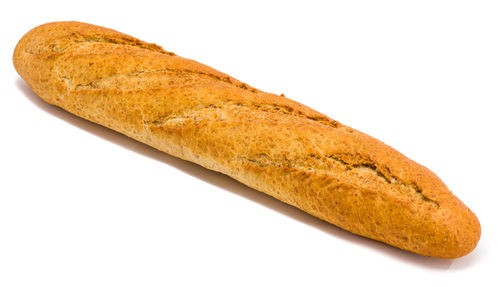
column 123, row 41
column 127, row 41
column 384, row 173
column 95, row 83
column 274, row 108
column 396, row 185
column 62, row 43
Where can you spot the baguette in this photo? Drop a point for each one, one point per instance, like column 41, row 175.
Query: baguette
column 268, row 142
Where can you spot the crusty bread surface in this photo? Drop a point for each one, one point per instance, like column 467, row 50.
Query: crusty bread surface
column 268, row 142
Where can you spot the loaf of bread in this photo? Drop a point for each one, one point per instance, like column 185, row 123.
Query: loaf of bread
column 266, row 141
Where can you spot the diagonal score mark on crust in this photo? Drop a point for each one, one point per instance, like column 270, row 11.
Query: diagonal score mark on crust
column 395, row 184
column 99, row 38
column 385, row 174
column 95, row 83
column 62, row 43
column 274, row 108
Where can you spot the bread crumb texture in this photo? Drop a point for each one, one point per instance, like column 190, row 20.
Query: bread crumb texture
column 266, row 141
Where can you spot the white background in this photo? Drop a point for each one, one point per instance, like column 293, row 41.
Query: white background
column 81, row 205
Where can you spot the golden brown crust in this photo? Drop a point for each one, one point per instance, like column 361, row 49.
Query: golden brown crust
column 268, row 142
